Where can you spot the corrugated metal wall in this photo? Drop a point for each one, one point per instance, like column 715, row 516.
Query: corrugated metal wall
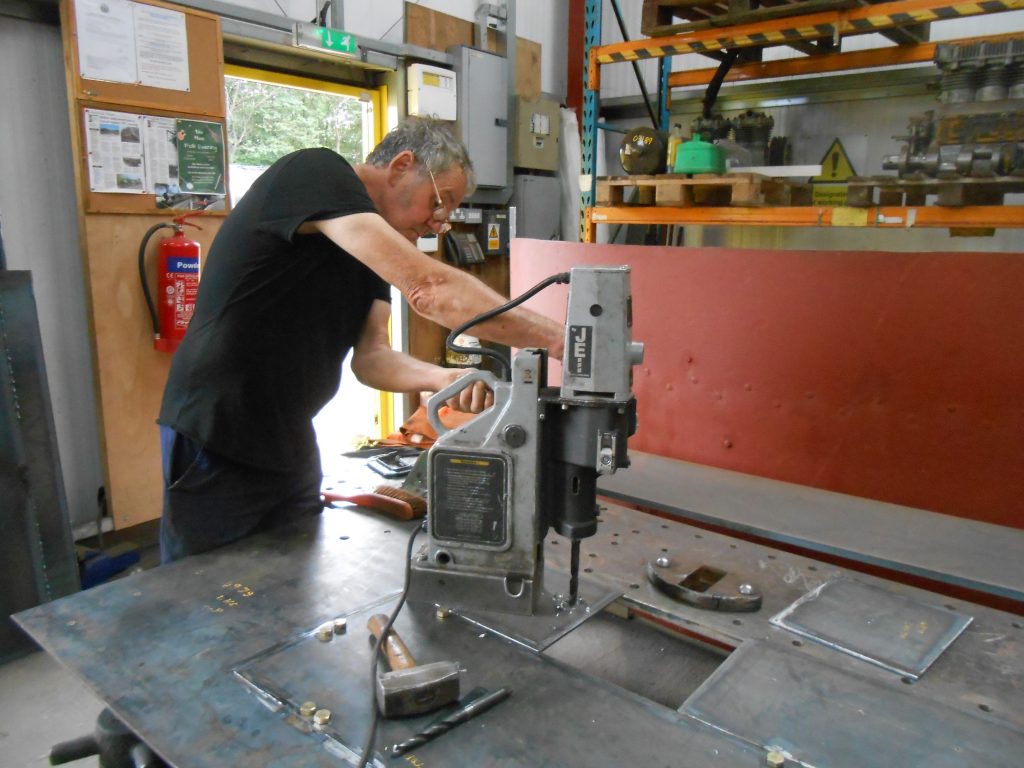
column 37, row 206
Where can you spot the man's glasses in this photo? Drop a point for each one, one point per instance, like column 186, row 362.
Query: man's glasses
column 441, row 211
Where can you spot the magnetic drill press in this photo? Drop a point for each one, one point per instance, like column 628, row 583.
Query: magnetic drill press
column 530, row 462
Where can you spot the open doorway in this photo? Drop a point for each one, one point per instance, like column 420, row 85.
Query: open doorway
column 268, row 116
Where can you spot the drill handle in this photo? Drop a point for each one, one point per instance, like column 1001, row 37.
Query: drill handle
column 441, row 397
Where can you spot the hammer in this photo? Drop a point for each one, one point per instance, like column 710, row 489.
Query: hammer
column 409, row 689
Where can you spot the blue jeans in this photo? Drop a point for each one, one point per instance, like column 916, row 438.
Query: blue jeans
column 210, row 500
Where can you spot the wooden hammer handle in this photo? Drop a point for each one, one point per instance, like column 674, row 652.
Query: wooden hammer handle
column 399, row 656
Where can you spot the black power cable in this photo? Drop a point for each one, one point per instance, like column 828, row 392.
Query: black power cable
column 378, row 644
column 561, row 277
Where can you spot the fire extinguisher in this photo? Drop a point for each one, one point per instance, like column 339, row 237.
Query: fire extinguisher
column 177, row 282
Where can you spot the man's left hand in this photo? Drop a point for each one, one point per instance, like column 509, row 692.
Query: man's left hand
column 475, row 398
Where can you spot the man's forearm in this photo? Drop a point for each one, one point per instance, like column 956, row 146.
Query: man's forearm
column 451, row 297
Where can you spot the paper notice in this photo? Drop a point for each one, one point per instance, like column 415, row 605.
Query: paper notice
column 161, row 47
column 106, row 40
column 114, row 143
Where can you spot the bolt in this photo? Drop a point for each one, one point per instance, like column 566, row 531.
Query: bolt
column 307, row 709
column 322, row 716
column 775, row 759
column 340, row 626
column 746, row 589
column 662, row 562
column 325, row 633
column 443, row 613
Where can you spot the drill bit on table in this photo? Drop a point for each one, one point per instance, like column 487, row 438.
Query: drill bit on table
column 432, row 731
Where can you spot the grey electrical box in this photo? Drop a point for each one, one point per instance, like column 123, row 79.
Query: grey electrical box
column 483, row 113
column 538, row 207
column 536, row 135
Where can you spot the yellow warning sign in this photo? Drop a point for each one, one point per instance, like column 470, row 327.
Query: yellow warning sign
column 493, row 240
column 836, row 169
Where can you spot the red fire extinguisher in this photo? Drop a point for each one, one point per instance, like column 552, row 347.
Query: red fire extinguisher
column 177, row 282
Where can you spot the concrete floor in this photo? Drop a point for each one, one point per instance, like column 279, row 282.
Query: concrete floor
column 42, row 704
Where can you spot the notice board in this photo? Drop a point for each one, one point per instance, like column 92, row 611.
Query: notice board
column 177, row 81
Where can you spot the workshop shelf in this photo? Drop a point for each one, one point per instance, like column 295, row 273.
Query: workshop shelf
column 814, row 27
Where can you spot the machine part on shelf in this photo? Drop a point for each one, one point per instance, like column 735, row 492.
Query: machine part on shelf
column 980, row 71
column 475, row 707
column 696, row 156
column 715, row 127
column 530, row 462
column 642, row 151
column 977, row 131
column 753, row 130
column 692, row 588
column 409, row 689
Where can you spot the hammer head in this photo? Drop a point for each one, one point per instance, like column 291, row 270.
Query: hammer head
column 417, row 690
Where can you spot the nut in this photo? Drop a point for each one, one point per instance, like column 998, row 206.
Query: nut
column 340, row 626
column 443, row 613
column 322, row 716
column 307, row 709
column 775, row 759
column 325, row 633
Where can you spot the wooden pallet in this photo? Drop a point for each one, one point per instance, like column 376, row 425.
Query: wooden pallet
column 863, row 192
column 662, row 18
column 749, row 190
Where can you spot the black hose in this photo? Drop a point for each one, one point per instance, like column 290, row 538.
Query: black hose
column 711, row 94
column 561, row 277
column 142, row 274
column 636, row 67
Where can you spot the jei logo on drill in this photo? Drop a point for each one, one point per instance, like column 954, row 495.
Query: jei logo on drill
column 581, row 337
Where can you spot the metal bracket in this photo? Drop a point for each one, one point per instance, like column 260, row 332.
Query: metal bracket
column 692, row 588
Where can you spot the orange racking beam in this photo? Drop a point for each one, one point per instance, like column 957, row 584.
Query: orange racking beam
column 809, row 65
column 824, row 62
column 971, row 216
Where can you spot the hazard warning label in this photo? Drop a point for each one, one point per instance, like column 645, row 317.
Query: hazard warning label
column 493, row 238
column 836, row 170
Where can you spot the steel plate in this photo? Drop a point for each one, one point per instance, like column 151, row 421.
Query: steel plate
column 893, row 631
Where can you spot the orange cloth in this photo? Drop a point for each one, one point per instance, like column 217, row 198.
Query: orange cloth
column 417, row 430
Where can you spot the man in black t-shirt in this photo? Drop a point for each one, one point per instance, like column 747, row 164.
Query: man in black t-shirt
column 299, row 274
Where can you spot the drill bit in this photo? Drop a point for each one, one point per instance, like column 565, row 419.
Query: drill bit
column 432, row 731
column 574, row 572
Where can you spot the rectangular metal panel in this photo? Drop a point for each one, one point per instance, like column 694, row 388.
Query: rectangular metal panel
column 37, row 560
column 538, row 206
column 825, row 716
column 483, row 113
column 874, row 624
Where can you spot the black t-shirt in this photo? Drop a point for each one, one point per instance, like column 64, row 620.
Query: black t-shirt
column 275, row 316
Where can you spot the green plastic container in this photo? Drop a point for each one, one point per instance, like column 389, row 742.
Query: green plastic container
column 696, row 156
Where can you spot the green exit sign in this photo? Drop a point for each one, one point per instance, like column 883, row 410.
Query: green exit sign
column 337, row 40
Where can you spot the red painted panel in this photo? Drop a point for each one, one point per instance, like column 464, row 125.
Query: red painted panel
column 892, row 376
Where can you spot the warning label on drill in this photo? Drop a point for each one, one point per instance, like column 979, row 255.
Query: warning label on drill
column 468, row 499
column 581, row 350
